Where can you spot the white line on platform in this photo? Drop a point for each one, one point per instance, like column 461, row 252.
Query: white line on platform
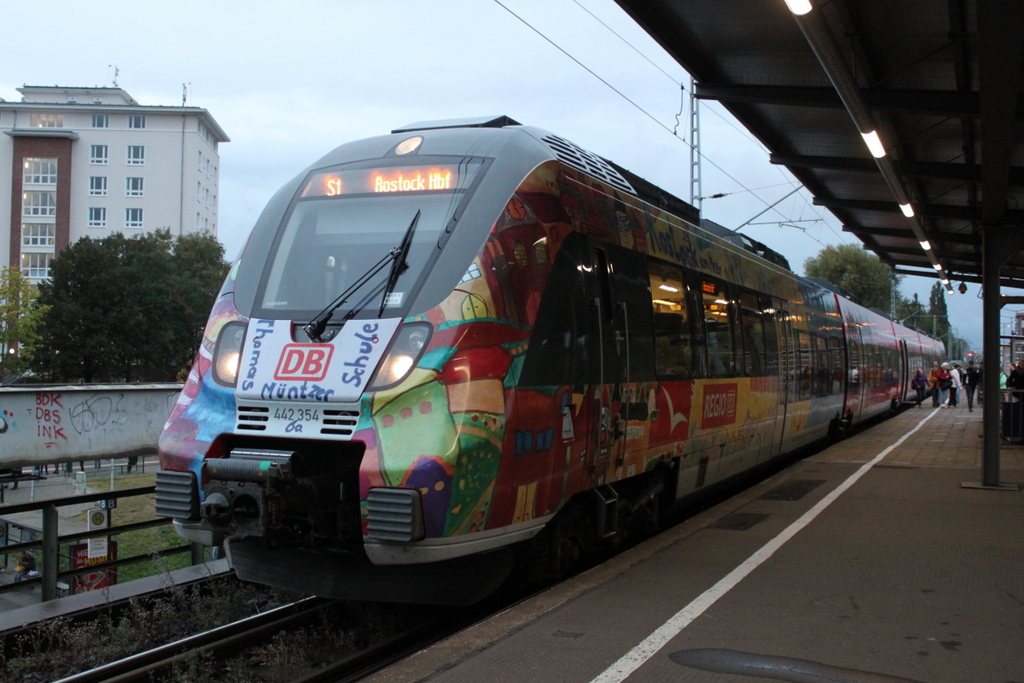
column 635, row 658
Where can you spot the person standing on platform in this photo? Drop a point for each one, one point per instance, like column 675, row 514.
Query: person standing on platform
column 957, row 379
column 972, row 378
column 920, row 384
column 933, row 381
column 945, row 382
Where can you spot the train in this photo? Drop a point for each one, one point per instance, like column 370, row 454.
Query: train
column 469, row 348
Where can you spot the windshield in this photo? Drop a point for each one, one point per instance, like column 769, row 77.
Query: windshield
column 345, row 221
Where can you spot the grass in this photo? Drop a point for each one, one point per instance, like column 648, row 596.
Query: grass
column 144, row 541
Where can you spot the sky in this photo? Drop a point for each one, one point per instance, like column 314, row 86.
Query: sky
column 288, row 82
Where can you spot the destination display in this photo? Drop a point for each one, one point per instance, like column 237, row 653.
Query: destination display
column 390, row 180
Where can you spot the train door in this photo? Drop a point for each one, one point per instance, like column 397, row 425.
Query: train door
column 904, row 372
column 787, row 371
column 775, row 369
column 622, row 334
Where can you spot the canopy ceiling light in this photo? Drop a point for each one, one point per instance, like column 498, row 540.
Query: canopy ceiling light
column 830, row 56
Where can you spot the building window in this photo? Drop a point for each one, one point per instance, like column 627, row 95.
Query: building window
column 35, row 265
column 137, row 121
column 40, row 171
column 133, row 187
column 133, row 218
column 199, row 166
column 98, row 154
column 39, row 203
column 199, row 192
column 98, row 185
column 136, row 155
column 37, row 234
column 46, row 120
column 97, row 217
column 100, row 121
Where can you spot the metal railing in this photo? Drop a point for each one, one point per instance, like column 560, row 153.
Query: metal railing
column 51, row 540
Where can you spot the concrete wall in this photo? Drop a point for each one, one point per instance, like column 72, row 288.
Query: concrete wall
column 50, row 423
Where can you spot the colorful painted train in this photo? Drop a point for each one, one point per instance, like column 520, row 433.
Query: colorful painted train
column 445, row 345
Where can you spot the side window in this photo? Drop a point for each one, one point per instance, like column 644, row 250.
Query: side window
column 836, row 352
column 822, row 371
column 752, row 326
column 558, row 350
column 771, row 310
column 673, row 341
column 718, row 323
column 804, row 367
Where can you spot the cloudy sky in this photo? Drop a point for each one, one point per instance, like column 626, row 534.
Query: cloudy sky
column 288, row 82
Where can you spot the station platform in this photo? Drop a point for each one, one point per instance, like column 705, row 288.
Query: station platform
column 869, row 556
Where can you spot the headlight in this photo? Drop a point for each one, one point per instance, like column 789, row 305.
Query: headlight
column 407, row 347
column 228, row 352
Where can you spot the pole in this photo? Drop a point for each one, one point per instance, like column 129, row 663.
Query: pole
column 997, row 244
column 51, row 548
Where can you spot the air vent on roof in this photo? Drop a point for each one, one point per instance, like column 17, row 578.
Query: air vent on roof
column 581, row 159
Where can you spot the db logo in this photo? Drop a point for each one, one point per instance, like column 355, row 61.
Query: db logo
column 307, row 362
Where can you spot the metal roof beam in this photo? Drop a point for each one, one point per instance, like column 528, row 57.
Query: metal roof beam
column 936, row 102
column 965, row 213
column 1000, row 42
column 968, row 239
column 927, row 169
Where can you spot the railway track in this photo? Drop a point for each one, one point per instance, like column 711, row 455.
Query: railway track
column 216, row 647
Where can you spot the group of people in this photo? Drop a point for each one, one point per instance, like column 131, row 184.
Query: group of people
column 944, row 383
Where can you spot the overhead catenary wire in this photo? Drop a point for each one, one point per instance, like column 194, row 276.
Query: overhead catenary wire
column 623, row 96
column 646, row 113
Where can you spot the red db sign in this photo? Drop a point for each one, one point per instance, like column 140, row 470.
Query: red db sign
column 304, row 362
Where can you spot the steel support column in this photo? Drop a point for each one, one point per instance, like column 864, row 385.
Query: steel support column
column 998, row 245
column 51, row 550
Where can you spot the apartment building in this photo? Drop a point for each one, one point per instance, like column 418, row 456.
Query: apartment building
column 88, row 162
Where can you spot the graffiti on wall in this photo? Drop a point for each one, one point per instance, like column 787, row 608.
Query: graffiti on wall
column 74, row 422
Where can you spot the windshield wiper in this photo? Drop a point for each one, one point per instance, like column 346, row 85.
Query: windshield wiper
column 315, row 327
column 400, row 264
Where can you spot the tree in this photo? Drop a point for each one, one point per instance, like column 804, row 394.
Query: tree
column 857, row 271
column 937, row 309
column 128, row 309
column 19, row 318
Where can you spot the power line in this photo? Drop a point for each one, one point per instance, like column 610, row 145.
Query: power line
column 651, row 116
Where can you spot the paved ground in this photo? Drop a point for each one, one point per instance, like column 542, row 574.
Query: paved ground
column 902, row 572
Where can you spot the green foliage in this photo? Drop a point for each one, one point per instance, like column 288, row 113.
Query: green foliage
column 857, row 271
column 20, row 315
column 128, row 309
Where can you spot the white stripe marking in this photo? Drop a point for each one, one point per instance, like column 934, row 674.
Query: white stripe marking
column 635, row 658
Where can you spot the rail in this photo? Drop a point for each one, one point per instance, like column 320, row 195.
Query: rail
column 51, row 540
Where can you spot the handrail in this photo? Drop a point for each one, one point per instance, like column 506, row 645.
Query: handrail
column 50, row 542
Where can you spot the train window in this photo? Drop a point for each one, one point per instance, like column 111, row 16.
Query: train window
column 836, row 352
column 752, row 327
column 822, row 371
column 558, row 353
column 718, row 324
column 771, row 310
column 346, row 219
column 673, row 342
column 804, row 365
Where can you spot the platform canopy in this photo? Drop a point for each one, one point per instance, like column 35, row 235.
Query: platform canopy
column 938, row 81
